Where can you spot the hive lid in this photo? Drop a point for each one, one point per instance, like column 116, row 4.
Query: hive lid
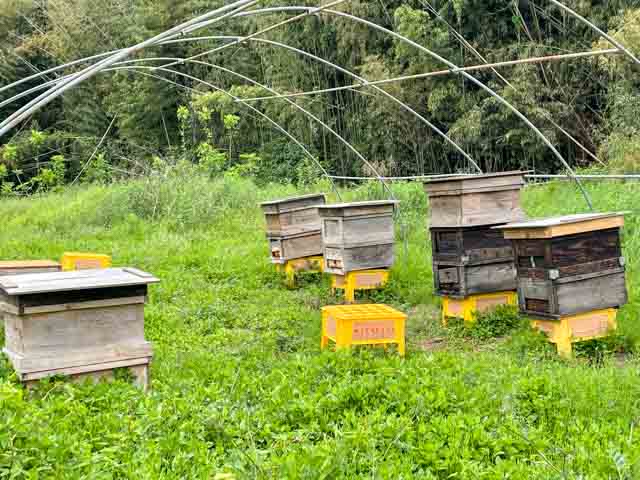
column 373, row 203
column 459, row 184
column 290, row 203
column 561, row 226
column 26, row 264
column 28, row 283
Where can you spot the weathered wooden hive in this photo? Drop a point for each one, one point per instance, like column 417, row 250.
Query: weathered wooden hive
column 293, row 227
column 85, row 322
column 569, row 265
column 475, row 201
column 469, row 257
column 358, row 236
column 15, row 267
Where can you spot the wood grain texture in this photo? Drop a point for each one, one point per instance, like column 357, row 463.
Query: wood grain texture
column 475, row 201
column 28, row 266
column 473, row 279
column 562, row 226
column 293, row 203
column 289, row 247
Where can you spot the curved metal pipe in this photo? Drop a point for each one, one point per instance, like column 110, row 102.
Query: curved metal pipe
column 455, row 69
column 237, row 99
column 404, row 39
column 90, row 71
column 181, row 60
column 600, row 32
column 364, row 81
column 292, row 103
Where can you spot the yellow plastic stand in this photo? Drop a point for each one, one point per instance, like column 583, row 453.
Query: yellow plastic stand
column 349, row 325
column 466, row 308
column 359, row 280
column 305, row 264
column 566, row 331
column 84, row 261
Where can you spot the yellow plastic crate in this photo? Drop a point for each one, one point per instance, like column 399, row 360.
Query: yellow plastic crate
column 84, row 261
column 466, row 308
column 305, row 264
column 348, row 325
column 566, row 331
column 359, row 280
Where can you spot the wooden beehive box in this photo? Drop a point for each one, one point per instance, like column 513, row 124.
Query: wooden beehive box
column 358, row 236
column 85, row 322
column 293, row 227
column 569, row 265
column 478, row 200
column 471, row 260
column 15, row 267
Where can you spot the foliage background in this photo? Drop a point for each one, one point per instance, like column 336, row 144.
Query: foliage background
column 593, row 99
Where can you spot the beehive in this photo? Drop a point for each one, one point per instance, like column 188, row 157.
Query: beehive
column 293, row 227
column 477, row 200
column 358, row 236
column 471, row 260
column 28, row 266
column 84, row 261
column 469, row 257
column 349, row 325
column 569, row 265
column 85, row 322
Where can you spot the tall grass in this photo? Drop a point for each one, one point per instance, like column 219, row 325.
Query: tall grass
column 239, row 383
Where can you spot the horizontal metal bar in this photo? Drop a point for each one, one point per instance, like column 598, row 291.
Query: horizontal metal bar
column 532, row 176
column 449, row 71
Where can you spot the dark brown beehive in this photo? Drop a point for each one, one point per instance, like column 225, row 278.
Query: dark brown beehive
column 358, row 236
column 569, row 265
column 471, row 260
column 293, row 227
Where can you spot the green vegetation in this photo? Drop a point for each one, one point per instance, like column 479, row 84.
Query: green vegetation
column 240, row 385
column 594, row 99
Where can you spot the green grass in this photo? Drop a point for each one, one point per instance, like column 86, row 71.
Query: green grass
column 240, row 385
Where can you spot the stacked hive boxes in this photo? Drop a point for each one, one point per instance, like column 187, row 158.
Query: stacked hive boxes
column 571, row 274
column 358, row 244
column 293, row 227
column 473, row 265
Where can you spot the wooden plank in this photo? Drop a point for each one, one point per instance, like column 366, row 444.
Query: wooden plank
column 83, row 359
column 80, row 329
column 18, row 264
column 586, row 247
column 495, row 277
column 292, row 203
column 368, row 257
column 96, row 367
column 298, row 247
column 83, row 305
column 589, row 294
column 562, row 226
column 470, row 183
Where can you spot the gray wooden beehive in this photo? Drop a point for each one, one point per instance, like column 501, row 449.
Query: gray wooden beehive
column 358, row 236
column 86, row 322
column 478, row 200
column 293, row 227
column 569, row 265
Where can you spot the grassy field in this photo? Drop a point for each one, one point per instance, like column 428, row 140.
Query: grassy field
column 240, row 385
